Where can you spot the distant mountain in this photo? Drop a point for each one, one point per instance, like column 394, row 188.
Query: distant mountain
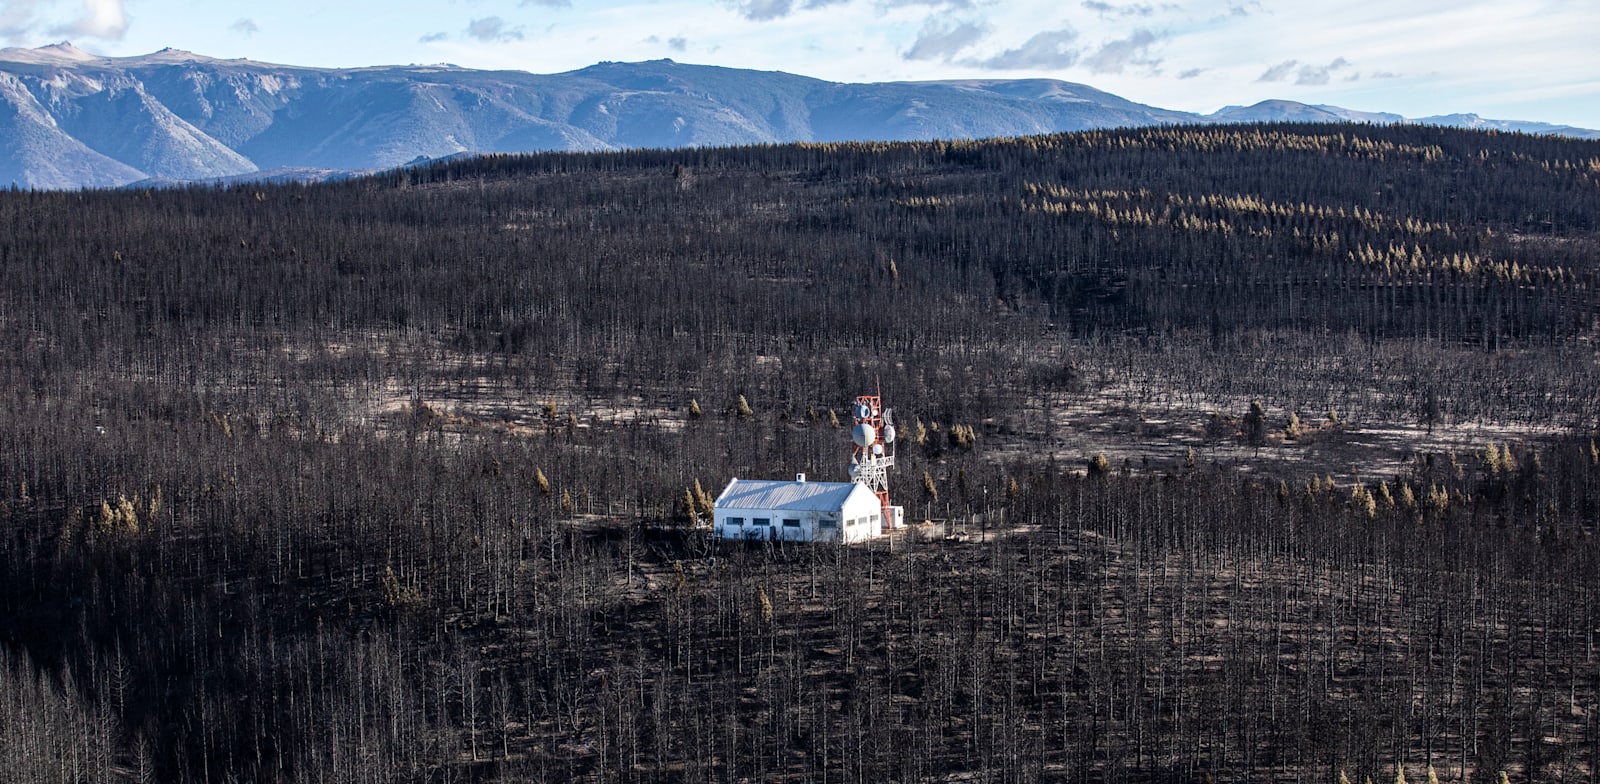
column 1516, row 126
column 72, row 119
column 1292, row 111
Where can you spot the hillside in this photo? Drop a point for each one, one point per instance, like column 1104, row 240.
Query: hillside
column 395, row 478
column 70, row 119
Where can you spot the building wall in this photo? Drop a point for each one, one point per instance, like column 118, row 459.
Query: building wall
column 810, row 526
column 768, row 524
column 864, row 509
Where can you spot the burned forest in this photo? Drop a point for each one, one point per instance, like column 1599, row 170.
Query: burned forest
column 1233, row 453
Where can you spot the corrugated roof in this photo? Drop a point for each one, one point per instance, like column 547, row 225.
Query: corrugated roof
column 776, row 495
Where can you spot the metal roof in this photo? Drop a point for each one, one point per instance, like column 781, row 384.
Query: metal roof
column 796, row 496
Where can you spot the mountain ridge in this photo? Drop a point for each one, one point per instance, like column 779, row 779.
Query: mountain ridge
column 71, row 119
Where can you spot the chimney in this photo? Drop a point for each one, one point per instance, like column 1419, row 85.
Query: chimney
column 799, row 477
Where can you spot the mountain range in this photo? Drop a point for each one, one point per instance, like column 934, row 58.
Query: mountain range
column 70, row 119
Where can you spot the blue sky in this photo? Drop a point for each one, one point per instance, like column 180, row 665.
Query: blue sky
column 1507, row 59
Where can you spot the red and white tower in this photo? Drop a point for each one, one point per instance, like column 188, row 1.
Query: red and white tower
column 872, row 456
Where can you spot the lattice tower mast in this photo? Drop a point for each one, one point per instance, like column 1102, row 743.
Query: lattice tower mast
column 872, row 435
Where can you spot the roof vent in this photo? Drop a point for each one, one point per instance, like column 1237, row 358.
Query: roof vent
column 799, row 477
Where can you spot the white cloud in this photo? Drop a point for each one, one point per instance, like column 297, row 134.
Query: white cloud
column 100, row 19
column 1315, row 75
column 17, row 19
column 941, row 42
column 768, row 10
column 1303, row 73
column 1239, row 11
column 245, row 27
column 1050, row 49
column 1279, row 72
column 950, row 4
column 1111, row 9
column 1114, row 56
column 764, row 10
column 493, row 29
column 22, row 20
column 676, row 43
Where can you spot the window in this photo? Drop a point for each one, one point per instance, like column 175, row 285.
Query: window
column 827, row 524
column 790, row 522
column 761, row 521
column 733, row 522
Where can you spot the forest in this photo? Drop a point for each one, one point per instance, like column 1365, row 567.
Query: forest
column 1246, row 453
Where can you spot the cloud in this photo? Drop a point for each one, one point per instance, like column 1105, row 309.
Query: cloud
column 16, row 19
column 493, row 29
column 1049, row 49
column 547, row 3
column 1113, row 56
column 676, row 43
column 1238, row 12
column 20, row 20
column 768, row 10
column 941, row 42
column 957, row 5
column 100, row 19
column 245, row 27
column 1110, row 9
column 1191, row 73
column 1303, row 73
column 1279, row 72
column 1319, row 75
column 431, row 38
column 764, row 10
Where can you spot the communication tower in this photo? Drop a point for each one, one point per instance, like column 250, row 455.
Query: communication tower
column 872, row 455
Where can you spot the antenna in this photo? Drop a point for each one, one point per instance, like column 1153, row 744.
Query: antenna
column 872, row 454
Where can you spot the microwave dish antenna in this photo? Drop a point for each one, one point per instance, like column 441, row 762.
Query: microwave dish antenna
column 872, row 437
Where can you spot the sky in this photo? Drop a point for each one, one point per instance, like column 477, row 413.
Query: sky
column 1503, row 59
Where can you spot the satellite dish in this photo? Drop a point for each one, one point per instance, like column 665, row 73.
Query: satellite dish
column 863, row 411
column 888, row 433
column 877, row 450
column 863, row 435
column 855, row 471
column 888, row 417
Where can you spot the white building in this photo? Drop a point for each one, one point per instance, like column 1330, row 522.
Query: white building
column 798, row 511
